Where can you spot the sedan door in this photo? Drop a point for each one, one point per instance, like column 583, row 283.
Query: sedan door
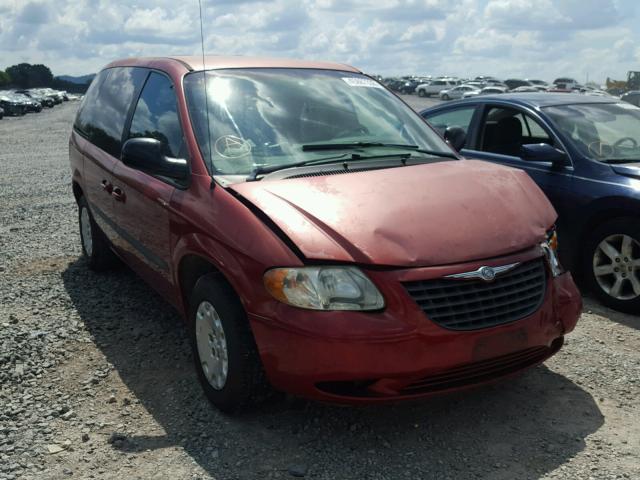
column 142, row 200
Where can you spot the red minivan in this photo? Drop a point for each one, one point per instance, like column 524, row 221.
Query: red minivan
column 317, row 235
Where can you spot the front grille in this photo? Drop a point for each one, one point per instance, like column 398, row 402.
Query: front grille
column 475, row 304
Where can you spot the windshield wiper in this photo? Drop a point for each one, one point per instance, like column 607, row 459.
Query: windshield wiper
column 265, row 169
column 355, row 145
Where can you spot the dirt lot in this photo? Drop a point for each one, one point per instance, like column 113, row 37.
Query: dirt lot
column 96, row 378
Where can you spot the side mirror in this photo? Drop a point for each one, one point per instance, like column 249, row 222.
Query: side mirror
column 543, row 152
column 456, row 137
column 145, row 154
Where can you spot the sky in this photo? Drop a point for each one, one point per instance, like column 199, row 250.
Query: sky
column 584, row 39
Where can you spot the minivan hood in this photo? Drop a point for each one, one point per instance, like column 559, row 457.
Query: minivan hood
column 419, row 215
column 628, row 169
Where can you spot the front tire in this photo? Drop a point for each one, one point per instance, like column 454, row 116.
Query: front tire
column 225, row 354
column 95, row 245
column 421, row 93
column 611, row 264
column 446, row 97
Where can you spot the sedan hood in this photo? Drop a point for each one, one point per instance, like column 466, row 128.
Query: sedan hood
column 420, row 215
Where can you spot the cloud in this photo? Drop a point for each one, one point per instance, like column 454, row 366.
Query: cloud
column 34, row 14
column 506, row 38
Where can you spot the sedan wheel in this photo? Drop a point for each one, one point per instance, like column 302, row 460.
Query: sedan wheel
column 616, row 266
column 212, row 345
column 611, row 263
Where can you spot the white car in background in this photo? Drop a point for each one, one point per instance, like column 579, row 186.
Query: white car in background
column 490, row 90
column 434, row 87
column 457, row 92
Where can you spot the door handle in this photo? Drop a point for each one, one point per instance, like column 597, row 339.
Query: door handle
column 118, row 194
column 106, row 186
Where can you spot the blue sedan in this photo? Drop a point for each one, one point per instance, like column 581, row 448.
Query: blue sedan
column 584, row 153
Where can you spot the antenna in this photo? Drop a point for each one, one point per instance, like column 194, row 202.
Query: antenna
column 206, row 97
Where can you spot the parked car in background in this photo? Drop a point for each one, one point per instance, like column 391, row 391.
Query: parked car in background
column 305, row 289
column 30, row 105
column 566, row 83
column 584, row 152
column 538, row 83
column 408, row 86
column 42, row 99
column 486, row 91
column 10, row 105
column 632, row 97
column 52, row 94
column 513, row 83
column 1, row 113
column 434, row 87
column 560, row 88
column 526, row 89
column 457, row 92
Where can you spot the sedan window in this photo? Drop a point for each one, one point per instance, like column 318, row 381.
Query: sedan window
column 460, row 117
column 505, row 130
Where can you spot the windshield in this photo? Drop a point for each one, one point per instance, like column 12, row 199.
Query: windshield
column 608, row 132
column 257, row 118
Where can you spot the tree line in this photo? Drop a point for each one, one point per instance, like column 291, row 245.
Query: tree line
column 25, row 75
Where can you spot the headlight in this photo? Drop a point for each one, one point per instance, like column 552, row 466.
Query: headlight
column 550, row 249
column 323, row 288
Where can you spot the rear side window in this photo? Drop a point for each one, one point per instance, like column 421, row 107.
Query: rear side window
column 104, row 111
column 460, row 117
column 156, row 116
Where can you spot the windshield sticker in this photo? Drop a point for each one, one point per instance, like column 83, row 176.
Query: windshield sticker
column 230, row 146
column 361, row 82
column 601, row 149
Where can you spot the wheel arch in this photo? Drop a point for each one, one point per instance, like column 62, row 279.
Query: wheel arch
column 77, row 190
column 605, row 209
column 191, row 268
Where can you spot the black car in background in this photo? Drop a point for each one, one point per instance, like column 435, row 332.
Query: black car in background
column 12, row 106
column 1, row 113
column 513, row 83
column 584, row 153
column 30, row 105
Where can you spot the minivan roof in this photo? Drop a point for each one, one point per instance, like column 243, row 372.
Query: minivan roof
column 195, row 62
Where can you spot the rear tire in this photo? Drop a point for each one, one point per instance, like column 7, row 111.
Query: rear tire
column 611, row 264
column 225, row 354
column 95, row 245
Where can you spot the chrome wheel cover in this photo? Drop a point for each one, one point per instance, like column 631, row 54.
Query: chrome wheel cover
column 85, row 229
column 616, row 264
column 212, row 345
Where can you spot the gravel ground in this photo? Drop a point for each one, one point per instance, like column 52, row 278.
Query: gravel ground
column 96, row 378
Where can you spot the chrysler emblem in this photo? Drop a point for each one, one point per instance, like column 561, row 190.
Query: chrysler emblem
column 487, row 274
